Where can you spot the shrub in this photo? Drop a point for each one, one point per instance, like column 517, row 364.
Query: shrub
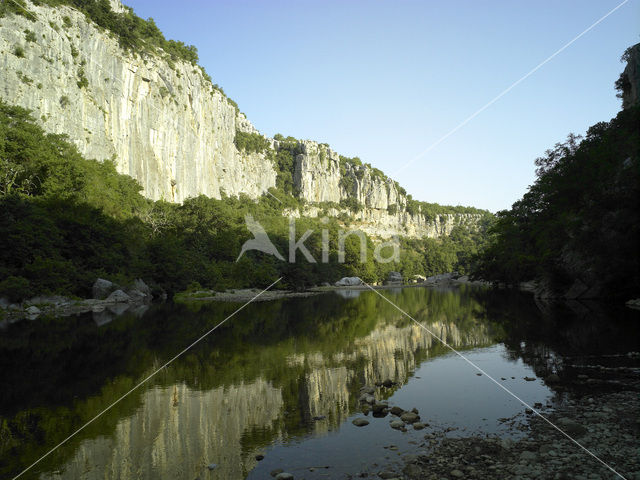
column 18, row 51
column 352, row 204
column 15, row 288
column 250, row 142
column 29, row 36
column 25, row 78
column 82, row 79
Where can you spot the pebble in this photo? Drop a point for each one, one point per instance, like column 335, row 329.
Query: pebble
column 360, row 422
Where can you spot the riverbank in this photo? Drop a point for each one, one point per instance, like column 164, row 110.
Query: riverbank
column 245, row 295
column 600, row 411
column 56, row 305
column 604, row 424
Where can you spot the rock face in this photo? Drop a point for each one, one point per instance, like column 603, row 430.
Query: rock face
column 165, row 124
column 631, row 74
column 319, row 177
column 162, row 123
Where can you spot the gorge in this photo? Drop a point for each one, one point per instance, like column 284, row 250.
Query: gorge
column 163, row 122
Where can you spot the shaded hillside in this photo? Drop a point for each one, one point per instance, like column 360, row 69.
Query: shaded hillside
column 66, row 220
column 577, row 229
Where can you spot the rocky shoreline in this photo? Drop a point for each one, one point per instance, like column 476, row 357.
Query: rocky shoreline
column 604, row 424
column 247, row 294
column 115, row 300
column 109, row 301
column 601, row 411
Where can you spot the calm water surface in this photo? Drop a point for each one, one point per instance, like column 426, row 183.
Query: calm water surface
column 255, row 385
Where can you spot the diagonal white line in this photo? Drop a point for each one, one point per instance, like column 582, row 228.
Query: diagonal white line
column 508, row 89
column 269, row 193
column 140, row 383
column 495, row 381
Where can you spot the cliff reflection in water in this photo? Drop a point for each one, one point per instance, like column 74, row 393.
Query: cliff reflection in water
column 261, row 379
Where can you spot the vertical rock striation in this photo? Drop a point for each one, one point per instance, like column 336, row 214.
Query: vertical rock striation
column 165, row 124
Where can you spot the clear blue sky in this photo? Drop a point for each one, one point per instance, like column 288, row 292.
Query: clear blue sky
column 384, row 80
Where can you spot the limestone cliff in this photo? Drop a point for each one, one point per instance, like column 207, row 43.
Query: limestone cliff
column 164, row 123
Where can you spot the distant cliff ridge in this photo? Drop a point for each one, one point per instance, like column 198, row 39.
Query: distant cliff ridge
column 165, row 124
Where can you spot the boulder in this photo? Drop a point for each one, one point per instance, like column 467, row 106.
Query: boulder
column 397, row 411
column 409, row 417
column 397, row 424
column 118, row 297
column 379, row 407
column 360, row 422
column 139, row 285
column 348, row 282
column 394, row 277
column 137, row 296
column 33, row 310
column 102, row 288
column 284, row 476
column 443, row 278
column 139, row 292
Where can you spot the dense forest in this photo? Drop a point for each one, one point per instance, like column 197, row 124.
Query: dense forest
column 577, row 229
column 66, row 220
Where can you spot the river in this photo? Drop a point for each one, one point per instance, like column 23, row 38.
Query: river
column 282, row 379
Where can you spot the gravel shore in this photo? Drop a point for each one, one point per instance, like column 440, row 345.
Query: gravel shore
column 600, row 411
